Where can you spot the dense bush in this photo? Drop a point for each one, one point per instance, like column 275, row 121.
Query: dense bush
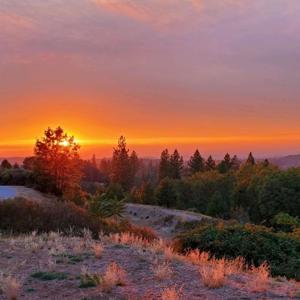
column 255, row 243
column 252, row 193
column 16, row 176
column 24, row 216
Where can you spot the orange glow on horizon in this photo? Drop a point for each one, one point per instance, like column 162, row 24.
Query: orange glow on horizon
column 151, row 147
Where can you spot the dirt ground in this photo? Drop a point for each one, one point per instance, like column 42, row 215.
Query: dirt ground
column 163, row 220
column 25, row 256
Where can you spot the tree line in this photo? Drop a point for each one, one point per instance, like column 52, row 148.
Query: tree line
column 247, row 190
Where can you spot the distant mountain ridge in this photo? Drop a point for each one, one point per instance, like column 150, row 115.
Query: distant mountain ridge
column 286, row 162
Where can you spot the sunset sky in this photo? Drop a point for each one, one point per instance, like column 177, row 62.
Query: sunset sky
column 209, row 74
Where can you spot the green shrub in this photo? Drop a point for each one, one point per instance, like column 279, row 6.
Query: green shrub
column 47, row 276
column 16, row 176
column 255, row 243
column 106, row 206
column 24, row 216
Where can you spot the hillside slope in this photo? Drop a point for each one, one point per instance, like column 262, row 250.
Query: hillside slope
column 123, row 267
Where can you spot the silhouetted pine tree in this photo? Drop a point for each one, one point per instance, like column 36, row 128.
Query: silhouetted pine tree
column 94, row 161
column 235, row 163
column 196, row 163
column 210, row 164
column 176, row 165
column 250, row 159
column 134, row 165
column 225, row 165
column 164, row 165
column 266, row 163
column 6, row 164
column 120, row 165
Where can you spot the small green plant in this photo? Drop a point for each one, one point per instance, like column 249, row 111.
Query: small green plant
column 106, row 206
column 88, row 280
column 48, row 276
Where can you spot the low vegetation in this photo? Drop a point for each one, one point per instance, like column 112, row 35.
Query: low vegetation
column 129, row 267
column 255, row 244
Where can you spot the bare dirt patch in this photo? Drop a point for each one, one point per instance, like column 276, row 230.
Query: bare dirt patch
column 163, row 220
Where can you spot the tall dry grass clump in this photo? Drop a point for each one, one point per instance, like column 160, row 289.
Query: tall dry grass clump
column 235, row 266
column 113, row 276
column 10, row 287
column 128, row 238
column 213, row 273
column 97, row 249
column 196, row 257
column 172, row 293
column 162, row 270
column 260, row 278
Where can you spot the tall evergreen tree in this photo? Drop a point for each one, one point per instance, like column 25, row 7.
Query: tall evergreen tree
column 250, row 159
column 57, row 164
column 134, row 165
column 266, row 163
column 210, row 164
column 225, row 165
column 176, row 165
column 5, row 164
column 235, row 163
column 94, row 161
column 120, row 165
column 166, row 194
column 196, row 163
column 164, row 165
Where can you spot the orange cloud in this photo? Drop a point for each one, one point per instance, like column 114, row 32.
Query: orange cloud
column 154, row 12
column 14, row 24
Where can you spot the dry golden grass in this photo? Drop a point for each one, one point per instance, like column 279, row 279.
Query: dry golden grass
column 128, row 238
column 97, row 249
column 172, row 293
column 113, row 276
column 11, row 287
column 213, row 274
column 87, row 238
column 235, row 266
column 162, row 270
column 260, row 278
column 196, row 257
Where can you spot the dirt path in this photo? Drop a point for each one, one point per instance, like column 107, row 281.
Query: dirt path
column 162, row 220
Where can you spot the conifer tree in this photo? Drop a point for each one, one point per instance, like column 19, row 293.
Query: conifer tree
column 235, row 163
column 266, row 163
column 166, row 194
column 250, row 160
column 120, row 165
column 176, row 165
column 94, row 161
column 5, row 164
column 134, row 165
column 196, row 163
column 210, row 164
column 225, row 165
column 164, row 165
